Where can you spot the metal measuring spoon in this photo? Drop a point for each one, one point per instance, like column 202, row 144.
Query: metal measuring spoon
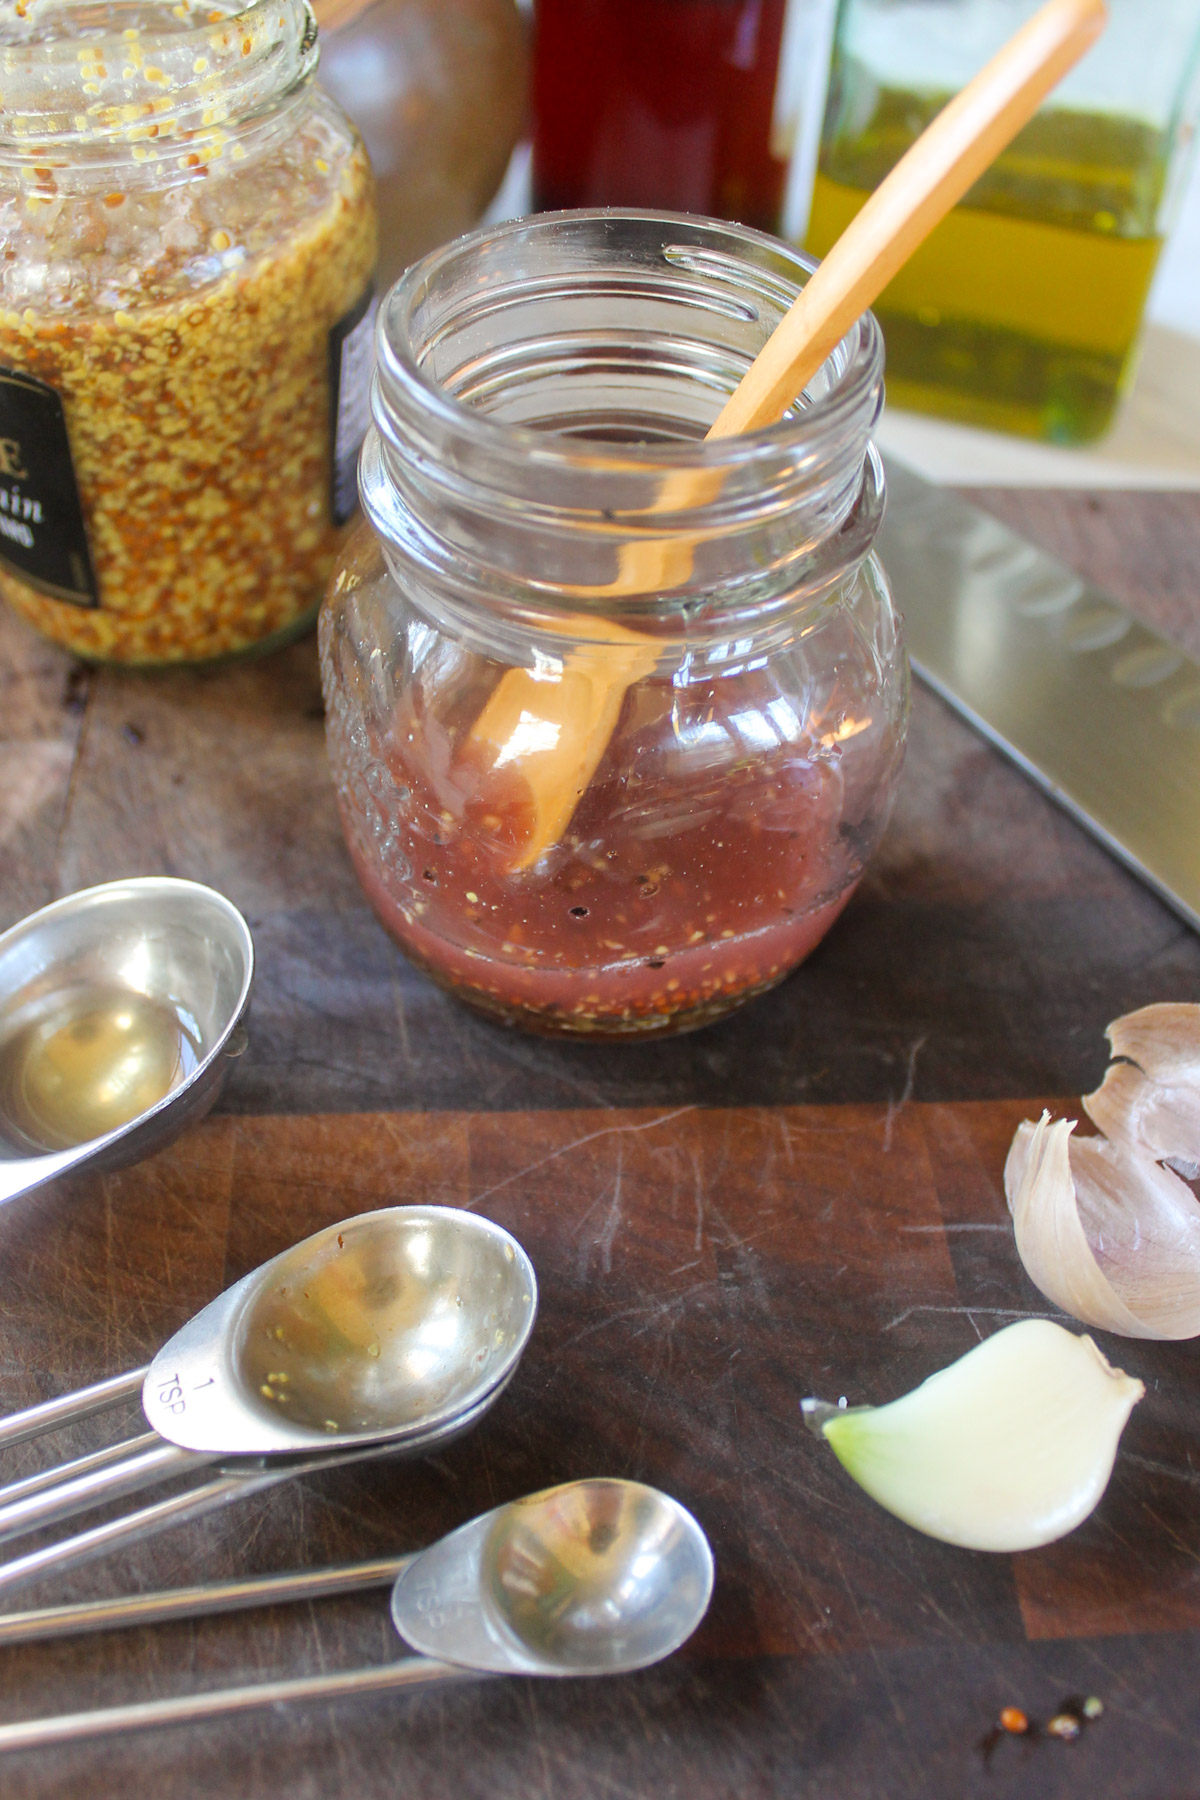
column 390, row 1329
column 592, row 1578
column 386, row 1325
column 120, row 1009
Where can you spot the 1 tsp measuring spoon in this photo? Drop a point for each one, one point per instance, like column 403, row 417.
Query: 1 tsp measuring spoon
column 391, row 1329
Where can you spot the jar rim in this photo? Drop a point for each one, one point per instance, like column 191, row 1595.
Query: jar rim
column 145, row 91
column 856, row 373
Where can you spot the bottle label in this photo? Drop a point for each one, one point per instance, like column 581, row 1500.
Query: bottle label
column 42, row 538
column 351, row 362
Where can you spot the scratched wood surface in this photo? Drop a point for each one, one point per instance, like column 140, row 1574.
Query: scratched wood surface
column 806, row 1198
column 701, row 1270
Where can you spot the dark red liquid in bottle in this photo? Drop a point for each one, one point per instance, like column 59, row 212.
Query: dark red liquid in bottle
column 658, row 103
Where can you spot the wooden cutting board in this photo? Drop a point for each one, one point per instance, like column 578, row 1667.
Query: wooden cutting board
column 701, row 1271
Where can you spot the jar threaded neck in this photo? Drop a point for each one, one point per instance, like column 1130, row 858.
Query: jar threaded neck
column 542, row 395
column 168, row 83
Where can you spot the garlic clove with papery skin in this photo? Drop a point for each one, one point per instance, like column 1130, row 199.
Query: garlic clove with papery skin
column 1105, row 1232
column 1051, row 1241
column 1008, row 1448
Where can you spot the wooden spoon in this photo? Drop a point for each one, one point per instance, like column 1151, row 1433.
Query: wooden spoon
column 332, row 15
column 557, row 732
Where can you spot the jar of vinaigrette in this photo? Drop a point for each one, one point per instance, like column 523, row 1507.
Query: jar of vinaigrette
column 185, row 329
column 615, row 714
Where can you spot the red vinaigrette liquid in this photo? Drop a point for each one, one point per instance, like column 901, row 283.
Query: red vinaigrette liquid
column 706, row 859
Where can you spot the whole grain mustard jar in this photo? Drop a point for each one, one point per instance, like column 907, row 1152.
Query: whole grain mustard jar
column 187, row 240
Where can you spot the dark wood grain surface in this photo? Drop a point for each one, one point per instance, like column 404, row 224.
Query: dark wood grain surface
column 806, row 1198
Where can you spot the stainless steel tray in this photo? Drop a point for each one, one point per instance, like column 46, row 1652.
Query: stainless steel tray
column 1096, row 708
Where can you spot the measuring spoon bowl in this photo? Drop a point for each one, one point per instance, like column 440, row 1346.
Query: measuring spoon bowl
column 334, row 1453
column 591, row 1578
column 388, row 1326
column 120, row 1009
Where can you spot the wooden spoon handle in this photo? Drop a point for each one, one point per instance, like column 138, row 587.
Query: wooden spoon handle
column 332, row 15
column 935, row 172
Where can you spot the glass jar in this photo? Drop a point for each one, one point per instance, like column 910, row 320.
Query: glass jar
column 1021, row 311
column 615, row 714
column 185, row 336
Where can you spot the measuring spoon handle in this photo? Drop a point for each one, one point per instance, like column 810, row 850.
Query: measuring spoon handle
column 142, row 1466
column 78, row 1465
column 148, row 1715
column 202, row 1602
column 193, row 1503
column 34, row 1420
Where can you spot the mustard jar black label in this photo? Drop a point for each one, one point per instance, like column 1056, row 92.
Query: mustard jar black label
column 42, row 539
column 351, row 362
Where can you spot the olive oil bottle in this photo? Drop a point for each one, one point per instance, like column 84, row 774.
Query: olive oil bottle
column 1022, row 309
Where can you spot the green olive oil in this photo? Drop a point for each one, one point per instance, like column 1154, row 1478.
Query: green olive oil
column 1021, row 310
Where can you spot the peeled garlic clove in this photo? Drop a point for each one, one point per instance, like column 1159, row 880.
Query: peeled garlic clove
column 1105, row 1233
column 1010, row 1447
column 1153, row 1106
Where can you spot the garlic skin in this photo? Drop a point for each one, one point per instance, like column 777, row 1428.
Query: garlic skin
column 1151, row 1102
column 1008, row 1448
column 1164, row 1040
column 1106, row 1233
column 1103, row 1229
